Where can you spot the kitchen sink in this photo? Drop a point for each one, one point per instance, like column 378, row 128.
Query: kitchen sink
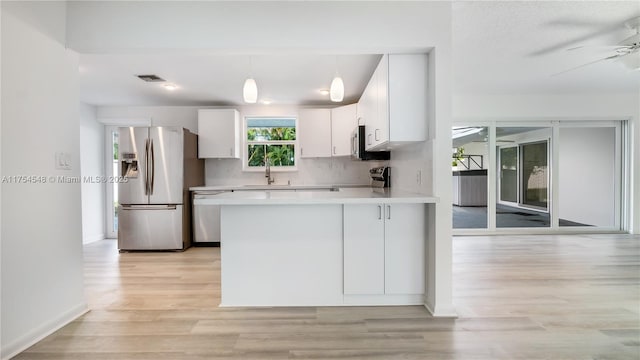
column 287, row 188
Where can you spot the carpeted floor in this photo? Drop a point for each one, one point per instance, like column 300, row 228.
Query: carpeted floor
column 475, row 217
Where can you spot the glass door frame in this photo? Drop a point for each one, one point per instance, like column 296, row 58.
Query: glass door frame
column 622, row 204
column 521, row 190
column 499, row 175
column 111, row 232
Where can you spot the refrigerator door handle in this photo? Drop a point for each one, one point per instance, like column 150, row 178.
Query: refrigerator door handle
column 146, row 167
column 147, row 207
column 153, row 169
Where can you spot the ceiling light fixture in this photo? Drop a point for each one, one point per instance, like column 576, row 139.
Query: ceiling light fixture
column 266, row 102
column 337, row 87
column 324, row 92
column 250, row 89
column 170, row 86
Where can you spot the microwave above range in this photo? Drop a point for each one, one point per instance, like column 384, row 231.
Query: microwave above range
column 358, row 145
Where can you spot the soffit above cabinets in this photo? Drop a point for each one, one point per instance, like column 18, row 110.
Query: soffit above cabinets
column 202, row 79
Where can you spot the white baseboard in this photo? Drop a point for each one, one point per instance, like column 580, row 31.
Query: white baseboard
column 32, row 337
column 440, row 311
column 92, row 238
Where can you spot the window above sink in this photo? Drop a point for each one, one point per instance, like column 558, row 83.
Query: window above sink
column 273, row 138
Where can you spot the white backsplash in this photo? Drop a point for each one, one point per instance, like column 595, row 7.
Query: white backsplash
column 405, row 164
column 313, row 171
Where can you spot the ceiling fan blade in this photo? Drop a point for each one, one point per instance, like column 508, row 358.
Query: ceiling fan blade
column 587, row 64
column 600, row 47
column 578, row 39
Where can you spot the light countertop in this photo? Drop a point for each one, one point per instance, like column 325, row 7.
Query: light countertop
column 342, row 196
column 270, row 187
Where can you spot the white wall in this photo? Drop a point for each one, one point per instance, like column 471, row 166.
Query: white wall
column 184, row 116
column 531, row 107
column 42, row 271
column 92, row 166
column 587, row 175
column 411, row 168
column 478, row 148
column 320, row 171
column 256, row 25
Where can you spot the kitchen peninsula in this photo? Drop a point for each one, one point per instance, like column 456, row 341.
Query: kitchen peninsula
column 350, row 246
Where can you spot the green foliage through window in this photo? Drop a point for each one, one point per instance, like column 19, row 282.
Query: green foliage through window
column 273, row 137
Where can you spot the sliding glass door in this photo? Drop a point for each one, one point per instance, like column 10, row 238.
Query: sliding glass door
column 522, row 188
column 508, row 174
column 534, row 182
column 558, row 175
column 470, row 164
column 589, row 176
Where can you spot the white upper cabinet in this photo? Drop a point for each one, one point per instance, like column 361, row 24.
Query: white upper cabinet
column 314, row 133
column 343, row 123
column 218, row 133
column 368, row 109
column 395, row 102
column 381, row 128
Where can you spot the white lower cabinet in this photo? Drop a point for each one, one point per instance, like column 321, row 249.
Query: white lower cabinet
column 384, row 249
column 363, row 249
column 404, row 249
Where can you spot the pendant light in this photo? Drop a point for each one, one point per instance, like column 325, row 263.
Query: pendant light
column 250, row 89
column 337, row 89
column 336, row 93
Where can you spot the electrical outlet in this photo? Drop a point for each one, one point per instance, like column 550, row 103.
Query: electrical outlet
column 419, row 177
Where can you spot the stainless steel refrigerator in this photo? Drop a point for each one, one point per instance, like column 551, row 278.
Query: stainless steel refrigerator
column 159, row 165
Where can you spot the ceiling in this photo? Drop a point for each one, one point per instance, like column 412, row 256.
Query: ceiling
column 204, row 79
column 463, row 135
column 498, row 47
column 516, row 47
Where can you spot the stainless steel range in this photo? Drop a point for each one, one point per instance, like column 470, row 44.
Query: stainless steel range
column 380, row 177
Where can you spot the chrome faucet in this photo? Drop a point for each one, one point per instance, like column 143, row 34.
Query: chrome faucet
column 267, row 170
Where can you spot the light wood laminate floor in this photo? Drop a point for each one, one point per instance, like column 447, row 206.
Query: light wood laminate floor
column 518, row 297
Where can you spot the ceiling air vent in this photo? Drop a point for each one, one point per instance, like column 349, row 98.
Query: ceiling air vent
column 150, row 78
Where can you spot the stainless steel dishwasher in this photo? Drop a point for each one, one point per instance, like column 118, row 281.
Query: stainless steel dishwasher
column 206, row 219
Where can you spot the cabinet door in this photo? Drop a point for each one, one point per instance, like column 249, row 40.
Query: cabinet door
column 407, row 97
column 314, row 132
column 368, row 109
column 343, row 123
column 363, row 249
column 218, row 133
column 381, row 129
column 404, row 245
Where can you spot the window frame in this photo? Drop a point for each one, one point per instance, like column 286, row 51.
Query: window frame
column 246, row 143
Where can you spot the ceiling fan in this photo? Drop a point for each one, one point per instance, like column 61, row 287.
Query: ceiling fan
column 626, row 51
